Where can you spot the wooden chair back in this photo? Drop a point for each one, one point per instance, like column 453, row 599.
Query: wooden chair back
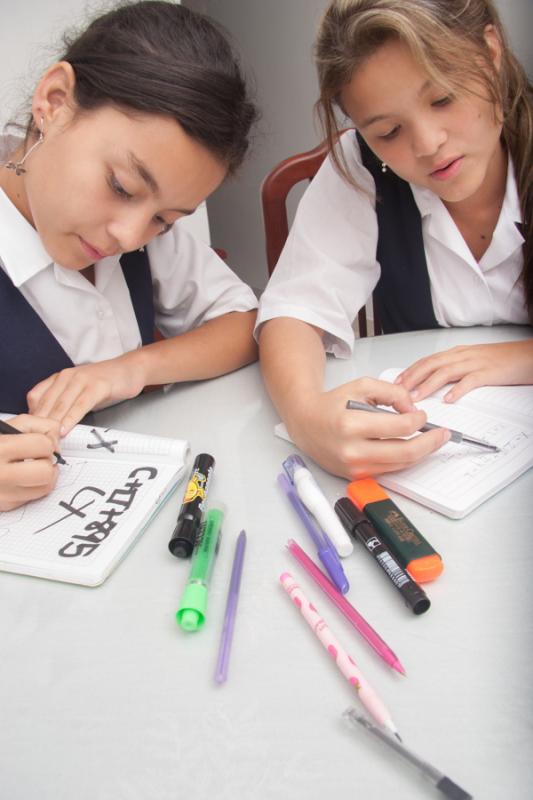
column 274, row 192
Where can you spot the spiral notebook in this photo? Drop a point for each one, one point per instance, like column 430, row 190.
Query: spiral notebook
column 112, row 485
column 458, row 478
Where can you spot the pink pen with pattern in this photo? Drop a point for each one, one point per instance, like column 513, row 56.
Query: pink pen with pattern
column 371, row 701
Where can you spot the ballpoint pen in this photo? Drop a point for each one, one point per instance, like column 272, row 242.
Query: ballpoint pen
column 440, row 781
column 354, row 617
column 193, row 605
column 316, row 502
column 221, row 671
column 326, row 552
column 456, row 436
column 344, row 662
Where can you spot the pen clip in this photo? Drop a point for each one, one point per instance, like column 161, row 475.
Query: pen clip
column 332, row 564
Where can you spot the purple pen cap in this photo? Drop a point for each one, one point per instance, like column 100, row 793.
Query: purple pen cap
column 291, row 463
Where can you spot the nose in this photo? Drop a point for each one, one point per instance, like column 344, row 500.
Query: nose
column 427, row 138
column 129, row 229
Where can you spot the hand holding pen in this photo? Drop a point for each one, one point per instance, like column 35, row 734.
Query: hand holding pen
column 344, row 662
column 27, row 471
column 455, row 436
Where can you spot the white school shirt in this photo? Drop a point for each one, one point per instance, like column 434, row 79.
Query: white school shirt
column 191, row 285
column 328, row 267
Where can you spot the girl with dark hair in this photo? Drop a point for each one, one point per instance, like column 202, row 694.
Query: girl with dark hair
column 428, row 203
column 141, row 119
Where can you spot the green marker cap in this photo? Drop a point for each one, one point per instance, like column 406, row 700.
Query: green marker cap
column 191, row 613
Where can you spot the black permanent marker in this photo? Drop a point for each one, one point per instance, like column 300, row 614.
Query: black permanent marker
column 360, row 527
column 185, row 533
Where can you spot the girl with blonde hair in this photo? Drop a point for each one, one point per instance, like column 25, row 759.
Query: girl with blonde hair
column 427, row 203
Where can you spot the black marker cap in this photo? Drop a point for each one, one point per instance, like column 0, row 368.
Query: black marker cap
column 182, row 541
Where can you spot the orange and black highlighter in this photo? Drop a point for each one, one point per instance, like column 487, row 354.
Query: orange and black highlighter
column 398, row 533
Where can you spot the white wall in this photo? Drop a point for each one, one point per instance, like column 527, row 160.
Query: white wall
column 275, row 37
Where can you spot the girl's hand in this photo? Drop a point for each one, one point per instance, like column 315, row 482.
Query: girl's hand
column 67, row 396
column 27, row 468
column 502, row 364
column 357, row 444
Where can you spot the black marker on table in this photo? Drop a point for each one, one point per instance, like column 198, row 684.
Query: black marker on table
column 8, row 429
column 359, row 526
column 183, row 538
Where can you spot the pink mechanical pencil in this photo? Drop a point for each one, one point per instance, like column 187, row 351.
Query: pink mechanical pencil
column 373, row 704
column 353, row 616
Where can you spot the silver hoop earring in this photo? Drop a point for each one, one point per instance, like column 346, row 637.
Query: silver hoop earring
column 383, row 167
column 17, row 166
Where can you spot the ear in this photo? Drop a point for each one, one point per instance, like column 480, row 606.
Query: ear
column 494, row 45
column 53, row 99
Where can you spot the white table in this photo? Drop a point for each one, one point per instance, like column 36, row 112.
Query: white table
column 103, row 697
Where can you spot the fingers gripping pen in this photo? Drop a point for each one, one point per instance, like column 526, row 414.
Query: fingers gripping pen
column 315, row 501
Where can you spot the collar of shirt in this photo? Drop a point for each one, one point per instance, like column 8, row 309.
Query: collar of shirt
column 506, row 237
column 21, row 250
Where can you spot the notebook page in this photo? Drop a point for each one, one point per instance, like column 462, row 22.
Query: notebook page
column 107, row 443
column 506, row 400
column 459, row 477
column 96, row 511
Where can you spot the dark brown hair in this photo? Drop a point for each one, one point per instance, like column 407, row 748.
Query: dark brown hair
column 161, row 58
column 447, row 37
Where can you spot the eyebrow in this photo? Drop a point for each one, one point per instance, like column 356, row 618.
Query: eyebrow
column 370, row 121
column 144, row 173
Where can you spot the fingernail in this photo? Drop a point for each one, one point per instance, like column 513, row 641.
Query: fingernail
column 448, row 398
column 447, row 436
column 414, row 394
column 62, row 430
column 398, row 379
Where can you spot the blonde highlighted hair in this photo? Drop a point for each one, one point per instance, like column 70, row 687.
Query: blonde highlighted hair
column 447, row 38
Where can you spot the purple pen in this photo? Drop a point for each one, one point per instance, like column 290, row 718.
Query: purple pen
column 221, row 671
column 325, row 549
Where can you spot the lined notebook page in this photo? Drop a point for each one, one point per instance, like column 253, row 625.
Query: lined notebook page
column 459, row 477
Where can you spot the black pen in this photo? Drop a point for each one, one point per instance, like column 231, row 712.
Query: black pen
column 185, row 533
column 359, row 526
column 5, row 427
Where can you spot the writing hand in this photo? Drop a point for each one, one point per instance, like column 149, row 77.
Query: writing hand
column 356, row 444
column 67, row 396
column 501, row 364
column 27, row 465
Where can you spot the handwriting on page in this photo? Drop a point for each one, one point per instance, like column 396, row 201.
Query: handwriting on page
column 457, row 471
column 91, row 501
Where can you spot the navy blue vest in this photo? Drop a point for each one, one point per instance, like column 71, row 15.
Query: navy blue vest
column 403, row 296
column 29, row 353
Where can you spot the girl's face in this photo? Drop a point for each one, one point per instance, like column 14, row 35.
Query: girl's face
column 107, row 182
column 449, row 144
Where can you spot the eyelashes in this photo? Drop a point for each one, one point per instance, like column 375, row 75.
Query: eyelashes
column 121, row 192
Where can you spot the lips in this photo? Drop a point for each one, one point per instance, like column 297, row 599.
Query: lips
column 92, row 252
column 447, row 169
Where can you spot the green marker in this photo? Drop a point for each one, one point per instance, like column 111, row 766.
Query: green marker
column 191, row 613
